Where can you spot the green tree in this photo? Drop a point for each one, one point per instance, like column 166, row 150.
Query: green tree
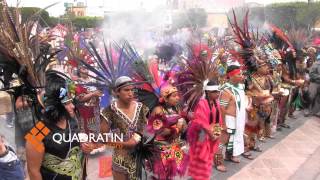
column 54, row 21
column 86, row 22
column 27, row 12
column 283, row 15
column 308, row 15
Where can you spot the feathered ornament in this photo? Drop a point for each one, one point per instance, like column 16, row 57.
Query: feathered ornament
column 273, row 55
column 299, row 38
column 279, row 38
column 192, row 81
column 20, row 42
column 25, row 54
column 148, row 92
column 115, row 61
column 145, row 153
column 281, row 42
column 246, row 40
column 71, row 48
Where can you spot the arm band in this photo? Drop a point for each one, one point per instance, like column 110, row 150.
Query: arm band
column 136, row 137
column 224, row 103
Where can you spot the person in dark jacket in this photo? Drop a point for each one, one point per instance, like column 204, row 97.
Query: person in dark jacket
column 314, row 87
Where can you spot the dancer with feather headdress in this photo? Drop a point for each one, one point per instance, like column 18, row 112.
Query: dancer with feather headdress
column 280, row 41
column 52, row 160
column 128, row 117
column 88, row 97
column 274, row 60
column 123, row 115
column 233, row 98
column 259, row 84
column 25, row 56
column 166, row 119
column 300, row 99
column 199, row 79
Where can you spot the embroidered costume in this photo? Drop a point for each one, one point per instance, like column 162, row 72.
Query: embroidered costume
column 65, row 160
column 174, row 158
column 120, row 123
column 89, row 111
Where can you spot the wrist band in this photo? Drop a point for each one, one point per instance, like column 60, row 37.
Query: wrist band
column 177, row 130
column 136, row 137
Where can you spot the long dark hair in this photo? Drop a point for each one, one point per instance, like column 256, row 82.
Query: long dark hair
column 54, row 109
column 290, row 60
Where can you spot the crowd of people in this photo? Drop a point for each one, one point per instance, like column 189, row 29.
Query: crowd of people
column 181, row 112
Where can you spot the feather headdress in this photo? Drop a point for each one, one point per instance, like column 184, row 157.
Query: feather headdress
column 21, row 44
column 25, row 54
column 107, row 66
column 252, row 53
column 285, row 47
column 279, row 38
column 148, row 75
column 246, row 40
column 192, row 81
column 299, row 39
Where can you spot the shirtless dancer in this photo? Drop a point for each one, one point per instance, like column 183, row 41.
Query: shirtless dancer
column 232, row 100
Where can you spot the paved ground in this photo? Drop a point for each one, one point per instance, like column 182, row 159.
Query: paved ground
column 294, row 154
column 310, row 169
column 294, row 157
column 281, row 137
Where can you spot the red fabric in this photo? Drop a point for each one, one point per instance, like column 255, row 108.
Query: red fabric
column 153, row 68
column 202, row 153
column 105, row 166
column 234, row 72
column 73, row 63
column 316, row 41
column 80, row 90
column 252, row 129
column 86, row 112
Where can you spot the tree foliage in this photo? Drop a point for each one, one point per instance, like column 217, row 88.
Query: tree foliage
column 86, row 22
column 45, row 20
column 283, row 15
column 28, row 12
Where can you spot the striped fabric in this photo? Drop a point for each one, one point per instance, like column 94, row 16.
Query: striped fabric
column 224, row 103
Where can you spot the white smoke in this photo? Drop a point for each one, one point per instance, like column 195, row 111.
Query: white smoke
column 144, row 29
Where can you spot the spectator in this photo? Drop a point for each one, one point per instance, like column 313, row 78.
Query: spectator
column 10, row 165
column 314, row 88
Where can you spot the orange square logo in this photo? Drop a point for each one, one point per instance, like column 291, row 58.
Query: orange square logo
column 36, row 135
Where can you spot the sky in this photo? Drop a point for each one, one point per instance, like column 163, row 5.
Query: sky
column 95, row 6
